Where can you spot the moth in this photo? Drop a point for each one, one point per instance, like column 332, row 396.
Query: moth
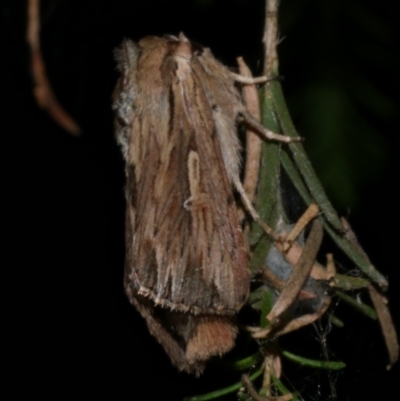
column 186, row 271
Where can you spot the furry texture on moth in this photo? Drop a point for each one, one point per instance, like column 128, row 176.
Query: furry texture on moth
column 186, row 267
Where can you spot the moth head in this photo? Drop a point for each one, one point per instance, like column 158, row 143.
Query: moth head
column 182, row 47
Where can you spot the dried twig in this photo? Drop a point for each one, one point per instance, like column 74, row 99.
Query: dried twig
column 300, row 272
column 292, row 289
column 305, row 320
column 270, row 37
column 381, row 308
column 43, row 93
column 272, row 367
column 330, row 266
column 311, row 212
column 248, row 385
column 294, row 324
column 388, row 330
column 278, row 284
column 318, row 272
column 253, row 140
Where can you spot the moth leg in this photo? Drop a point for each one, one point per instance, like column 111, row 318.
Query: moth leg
column 249, row 207
column 266, row 133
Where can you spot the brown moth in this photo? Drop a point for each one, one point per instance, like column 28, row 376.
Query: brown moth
column 186, row 267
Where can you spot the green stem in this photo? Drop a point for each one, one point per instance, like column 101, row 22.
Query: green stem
column 302, row 160
column 282, row 388
column 348, row 283
column 245, row 363
column 312, row 362
column 365, row 309
column 227, row 390
column 268, row 190
column 357, row 257
column 315, row 191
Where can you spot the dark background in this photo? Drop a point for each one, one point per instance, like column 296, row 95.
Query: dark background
column 72, row 328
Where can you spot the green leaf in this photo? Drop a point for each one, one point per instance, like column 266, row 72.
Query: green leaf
column 266, row 306
column 312, row 362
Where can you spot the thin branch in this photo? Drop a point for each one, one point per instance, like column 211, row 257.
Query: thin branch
column 278, row 284
column 43, row 93
column 301, row 223
column 268, row 202
column 317, row 272
column 227, row 390
column 300, row 272
column 253, row 140
column 294, row 324
column 270, row 37
column 248, row 385
column 381, row 308
column 387, row 326
column 330, row 266
column 305, row 320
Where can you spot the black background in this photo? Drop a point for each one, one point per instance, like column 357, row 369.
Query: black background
column 72, row 329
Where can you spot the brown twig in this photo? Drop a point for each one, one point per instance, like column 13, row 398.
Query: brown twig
column 311, row 212
column 330, row 266
column 278, row 284
column 294, row 324
column 248, row 385
column 300, row 272
column 43, row 93
column 270, row 37
column 253, row 140
column 386, row 322
column 272, row 367
column 305, row 320
column 384, row 317
column 317, row 272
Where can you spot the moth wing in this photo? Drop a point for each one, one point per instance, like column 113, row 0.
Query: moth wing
column 184, row 243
